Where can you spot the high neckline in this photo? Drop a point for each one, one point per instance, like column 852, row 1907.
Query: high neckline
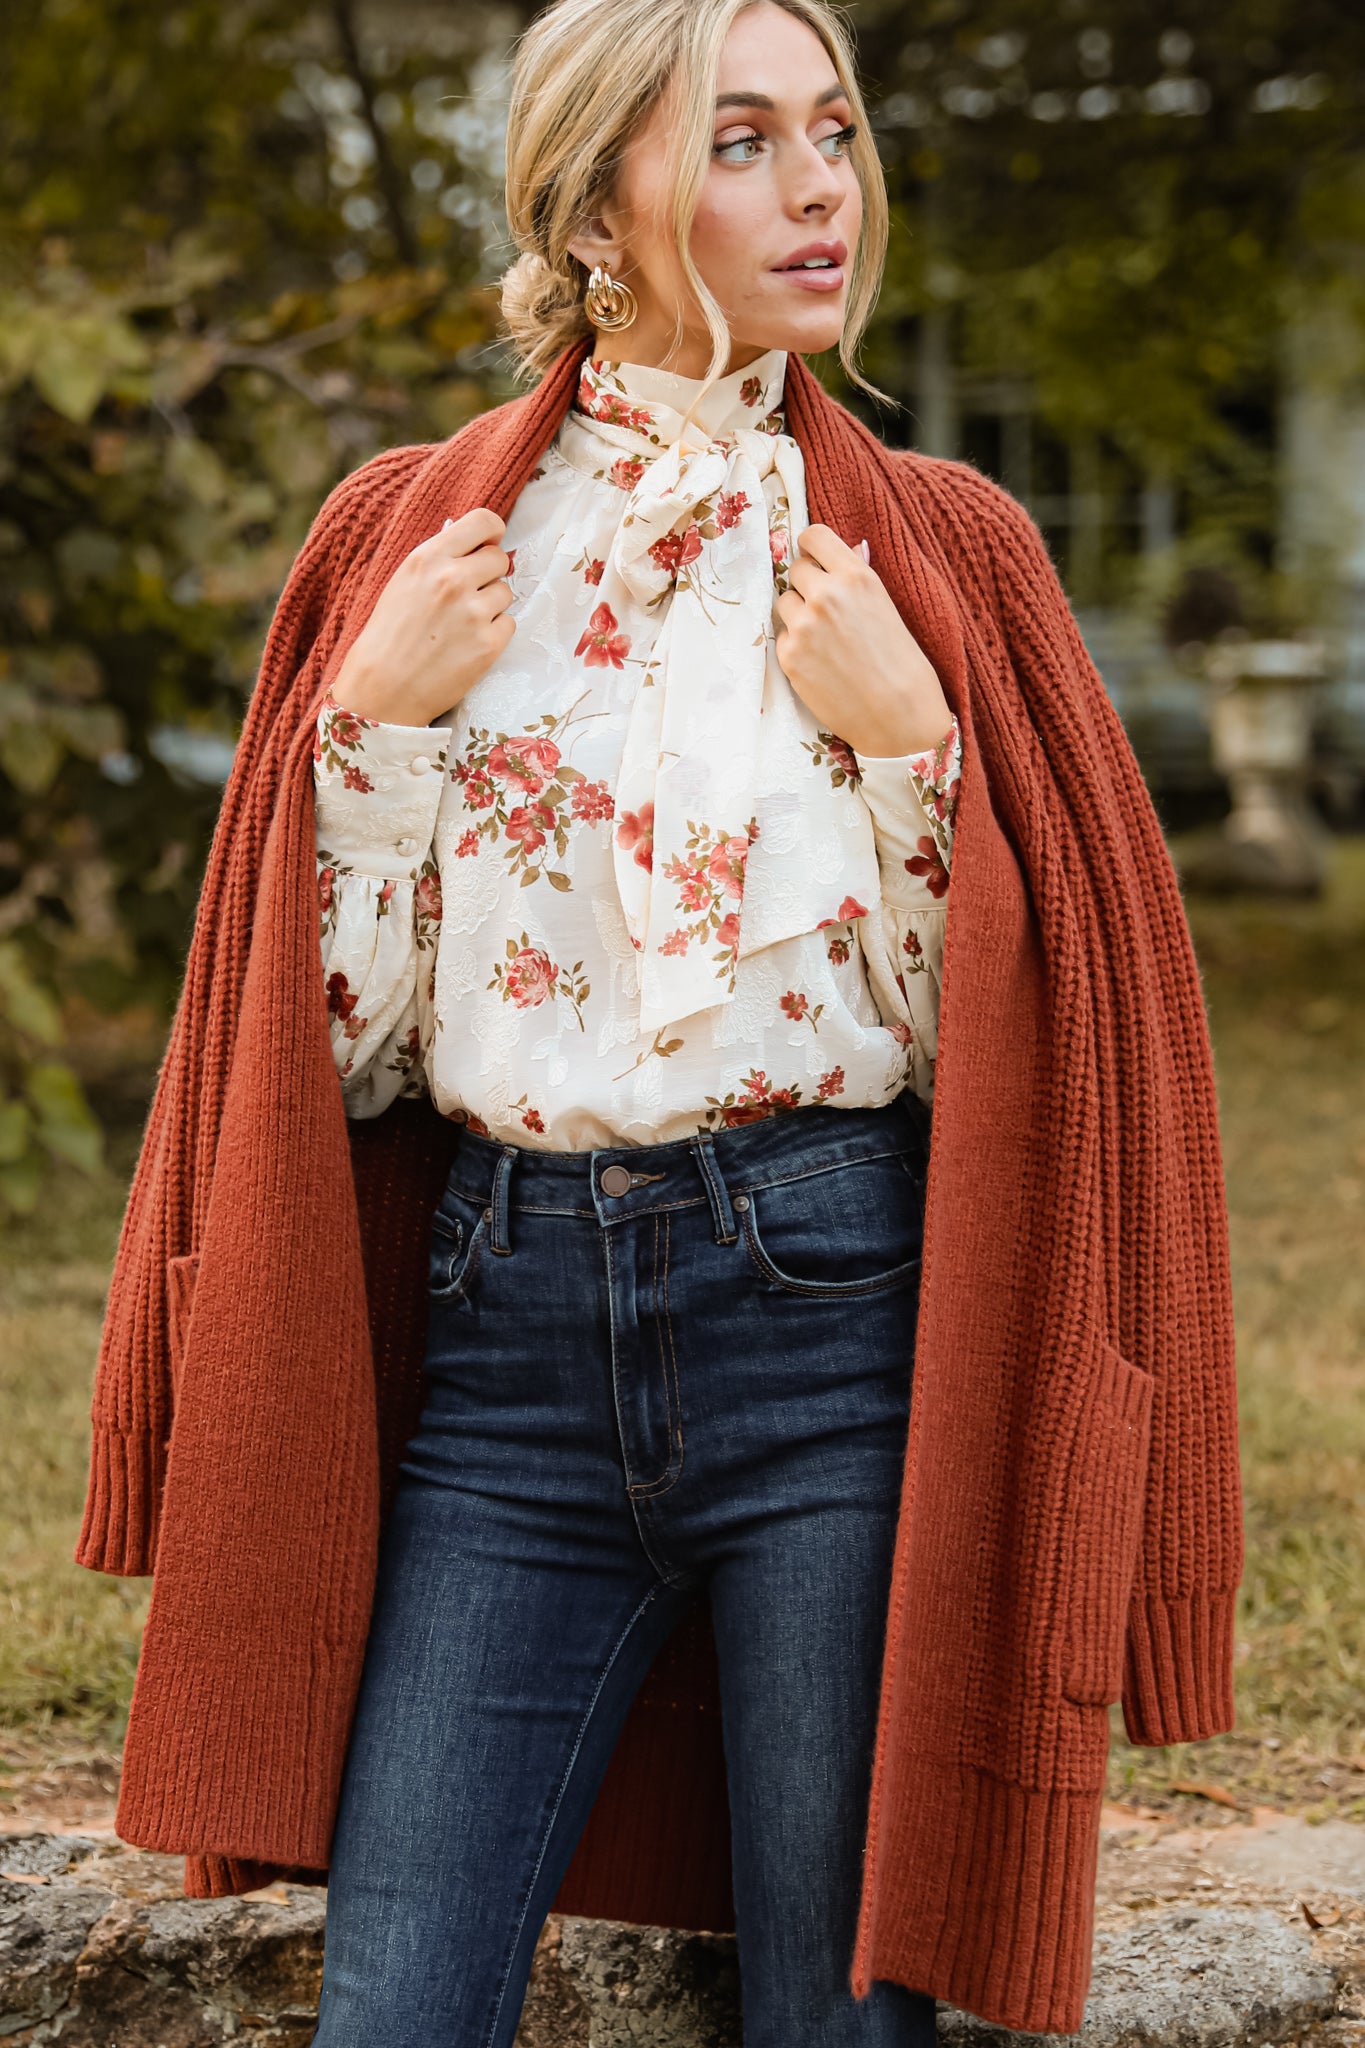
column 639, row 400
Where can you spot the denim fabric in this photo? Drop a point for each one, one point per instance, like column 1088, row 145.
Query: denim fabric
column 701, row 1382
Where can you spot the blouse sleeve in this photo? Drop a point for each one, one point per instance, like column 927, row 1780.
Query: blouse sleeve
column 913, row 801
column 378, row 789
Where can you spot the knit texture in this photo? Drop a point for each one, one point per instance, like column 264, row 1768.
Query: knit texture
column 1070, row 1524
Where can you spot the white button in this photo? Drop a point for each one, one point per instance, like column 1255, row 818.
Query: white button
column 407, row 846
column 419, row 764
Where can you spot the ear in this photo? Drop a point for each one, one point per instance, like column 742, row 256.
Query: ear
column 597, row 244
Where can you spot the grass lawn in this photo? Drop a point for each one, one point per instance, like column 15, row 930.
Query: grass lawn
column 1286, row 990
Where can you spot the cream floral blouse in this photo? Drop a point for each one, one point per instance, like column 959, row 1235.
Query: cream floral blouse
column 493, row 889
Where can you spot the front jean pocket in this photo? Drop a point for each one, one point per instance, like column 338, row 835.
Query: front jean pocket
column 852, row 1229
column 1104, row 1506
column 459, row 1229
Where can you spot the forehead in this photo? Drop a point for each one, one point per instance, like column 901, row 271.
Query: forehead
column 772, row 53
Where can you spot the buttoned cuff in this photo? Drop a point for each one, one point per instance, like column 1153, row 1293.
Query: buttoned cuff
column 378, row 789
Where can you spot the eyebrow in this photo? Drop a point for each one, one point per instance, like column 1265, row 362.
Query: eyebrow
column 761, row 99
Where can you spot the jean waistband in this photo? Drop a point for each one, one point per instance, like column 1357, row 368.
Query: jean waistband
column 615, row 1182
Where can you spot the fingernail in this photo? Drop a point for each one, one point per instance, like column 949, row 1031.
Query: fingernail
column 867, row 552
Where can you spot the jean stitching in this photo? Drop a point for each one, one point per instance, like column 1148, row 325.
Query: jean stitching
column 820, row 1290
column 548, row 1829
column 672, row 1393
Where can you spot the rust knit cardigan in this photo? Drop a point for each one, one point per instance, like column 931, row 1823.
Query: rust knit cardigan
column 1070, row 1525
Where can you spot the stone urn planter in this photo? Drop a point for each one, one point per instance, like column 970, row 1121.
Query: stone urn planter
column 1261, row 698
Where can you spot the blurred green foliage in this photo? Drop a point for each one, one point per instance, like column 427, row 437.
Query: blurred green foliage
column 242, row 248
column 194, row 346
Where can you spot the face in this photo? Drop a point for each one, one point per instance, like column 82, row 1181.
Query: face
column 779, row 189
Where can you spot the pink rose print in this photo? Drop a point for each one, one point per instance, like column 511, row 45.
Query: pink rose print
column 326, row 877
column 929, row 863
column 533, row 1120
column 601, row 404
column 751, row 390
column 527, row 763
column 356, row 778
column 849, row 908
column 593, row 572
column 340, row 1001
column 636, row 829
column 626, row 472
column 777, row 544
column 427, row 897
column 602, row 646
column 827, row 749
column 467, row 844
column 726, row 864
column 676, row 943
column 727, row 936
column 796, row 1005
column 530, row 978
column 839, row 951
column 760, row 1098
column 694, row 891
column 590, row 802
column 676, row 550
column 529, row 824
column 730, row 508
column 476, row 785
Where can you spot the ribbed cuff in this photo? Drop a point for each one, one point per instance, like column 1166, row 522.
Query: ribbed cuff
column 983, row 1896
column 1177, row 1678
column 122, row 1503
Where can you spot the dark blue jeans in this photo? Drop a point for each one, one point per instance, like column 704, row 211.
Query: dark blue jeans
column 653, row 1370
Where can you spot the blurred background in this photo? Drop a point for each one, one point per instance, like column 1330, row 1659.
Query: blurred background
column 243, row 247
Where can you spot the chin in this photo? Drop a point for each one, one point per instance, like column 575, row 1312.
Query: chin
column 799, row 337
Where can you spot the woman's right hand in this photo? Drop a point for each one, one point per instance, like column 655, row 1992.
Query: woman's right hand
column 440, row 621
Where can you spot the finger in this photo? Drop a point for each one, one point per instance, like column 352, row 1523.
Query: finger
column 488, row 564
column 806, row 577
column 471, row 530
column 788, row 606
column 823, row 545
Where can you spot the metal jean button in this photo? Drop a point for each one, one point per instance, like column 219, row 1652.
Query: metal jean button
column 615, row 1180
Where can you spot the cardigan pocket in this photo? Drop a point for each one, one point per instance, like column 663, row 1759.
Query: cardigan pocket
column 1105, row 1505
column 181, row 1274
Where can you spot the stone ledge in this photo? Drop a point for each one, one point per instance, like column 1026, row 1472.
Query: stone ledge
column 100, row 1949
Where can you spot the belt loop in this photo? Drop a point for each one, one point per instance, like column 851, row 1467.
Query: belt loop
column 704, row 1145
column 502, row 1174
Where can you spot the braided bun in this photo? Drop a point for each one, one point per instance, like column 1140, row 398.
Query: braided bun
column 543, row 308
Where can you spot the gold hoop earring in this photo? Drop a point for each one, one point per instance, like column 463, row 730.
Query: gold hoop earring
column 608, row 303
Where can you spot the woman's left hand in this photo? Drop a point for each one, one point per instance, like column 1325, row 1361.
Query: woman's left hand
column 850, row 656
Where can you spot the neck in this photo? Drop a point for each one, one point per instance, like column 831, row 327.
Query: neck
column 639, row 344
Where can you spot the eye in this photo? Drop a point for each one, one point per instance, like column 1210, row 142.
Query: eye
column 736, row 142
column 843, row 136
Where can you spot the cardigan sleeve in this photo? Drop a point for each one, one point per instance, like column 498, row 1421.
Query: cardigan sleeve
column 913, row 801
column 378, row 789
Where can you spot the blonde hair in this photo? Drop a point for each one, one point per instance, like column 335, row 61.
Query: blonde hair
column 587, row 73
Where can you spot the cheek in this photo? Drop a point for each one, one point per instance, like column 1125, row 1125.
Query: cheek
column 727, row 241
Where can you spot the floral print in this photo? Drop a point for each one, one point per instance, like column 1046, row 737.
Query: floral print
column 474, row 935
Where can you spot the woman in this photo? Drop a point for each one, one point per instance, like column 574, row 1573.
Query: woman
column 631, row 788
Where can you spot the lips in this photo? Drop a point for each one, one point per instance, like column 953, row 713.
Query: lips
column 831, row 254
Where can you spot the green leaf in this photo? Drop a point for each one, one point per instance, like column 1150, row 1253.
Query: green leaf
column 15, row 1124
column 19, row 1184
column 28, row 1007
column 66, row 1123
